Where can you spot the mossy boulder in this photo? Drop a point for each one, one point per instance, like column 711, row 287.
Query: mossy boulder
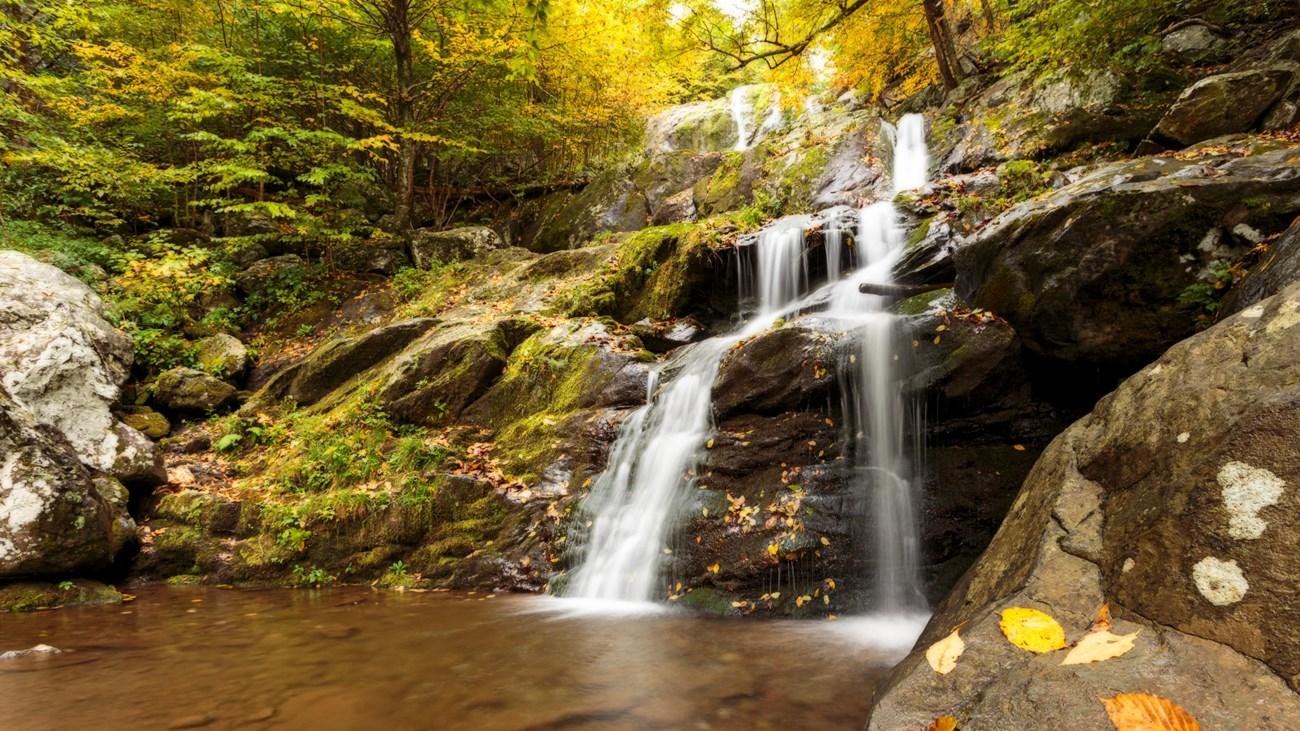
column 147, row 421
column 430, row 247
column 1223, row 104
column 33, row 596
column 222, row 355
column 190, row 390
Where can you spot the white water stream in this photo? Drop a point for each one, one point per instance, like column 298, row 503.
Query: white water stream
column 635, row 501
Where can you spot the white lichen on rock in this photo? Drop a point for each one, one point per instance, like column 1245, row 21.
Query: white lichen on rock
column 1129, row 563
column 1246, row 491
column 1220, row 582
column 1183, row 437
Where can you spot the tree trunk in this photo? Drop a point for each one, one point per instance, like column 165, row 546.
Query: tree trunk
column 945, row 53
column 399, row 31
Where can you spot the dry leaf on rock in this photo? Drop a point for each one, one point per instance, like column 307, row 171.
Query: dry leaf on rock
column 1032, row 630
column 1098, row 646
column 943, row 654
column 1146, row 712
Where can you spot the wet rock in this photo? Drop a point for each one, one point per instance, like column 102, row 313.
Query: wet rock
column 1278, row 267
column 222, row 355
column 56, row 522
column 665, row 335
column 147, row 421
column 334, row 363
column 1222, row 104
column 64, row 363
column 267, row 273
column 115, row 495
column 191, row 390
column 36, row 650
column 1099, row 272
column 458, row 244
column 785, row 369
column 1174, row 502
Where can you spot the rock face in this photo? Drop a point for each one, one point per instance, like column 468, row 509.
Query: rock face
column 1104, row 271
column 1174, row 501
column 52, row 518
column 1222, row 104
column 457, row 244
column 62, row 361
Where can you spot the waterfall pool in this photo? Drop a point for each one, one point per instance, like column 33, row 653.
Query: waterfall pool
column 354, row 658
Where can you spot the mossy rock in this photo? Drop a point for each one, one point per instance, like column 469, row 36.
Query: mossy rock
column 708, row 600
column 32, row 596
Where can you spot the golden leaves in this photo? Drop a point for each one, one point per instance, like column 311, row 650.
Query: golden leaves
column 1147, row 712
column 943, row 654
column 714, row 568
column 1032, row 630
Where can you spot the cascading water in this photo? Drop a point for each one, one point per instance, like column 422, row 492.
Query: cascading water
column 740, row 111
column 634, row 502
column 651, row 467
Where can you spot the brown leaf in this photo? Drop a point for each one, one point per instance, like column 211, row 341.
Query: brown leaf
column 1102, row 622
column 1146, row 712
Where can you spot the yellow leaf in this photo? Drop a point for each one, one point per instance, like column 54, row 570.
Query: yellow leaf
column 1018, row 447
column 708, row 444
column 1146, row 712
column 826, row 541
column 714, row 568
column 1098, row 646
column 1032, row 630
column 943, row 723
column 943, row 654
column 772, row 549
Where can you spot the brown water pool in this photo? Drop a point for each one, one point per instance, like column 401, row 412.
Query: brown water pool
column 353, row 658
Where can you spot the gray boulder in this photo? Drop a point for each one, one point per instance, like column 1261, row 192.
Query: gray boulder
column 1191, row 42
column 456, row 244
column 267, row 273
column 1222, row 104
column 52, row 519
column 61, row 360
column 1279, row 267
column 1175, row 502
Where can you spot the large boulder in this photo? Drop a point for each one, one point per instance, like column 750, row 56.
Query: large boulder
column 265, row 275
column 53, row 521
column 1109, row 271
column 1174, row 502
column 789, row 368
column 62, row 360
column 1222, row 104
column 457, row 244
column 334, row 363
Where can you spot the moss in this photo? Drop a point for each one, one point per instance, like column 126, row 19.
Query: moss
column 921, row 303
column 918, row 234
column 708, row 600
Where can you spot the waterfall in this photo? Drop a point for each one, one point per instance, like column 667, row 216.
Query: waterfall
column 652, row 465
column 634, row 503
column 740, row 109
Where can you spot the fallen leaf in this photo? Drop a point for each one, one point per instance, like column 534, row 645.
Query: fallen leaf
column 1098, row 646
column 825, row 541
column 708, row 444
column 943, row 654
column 1018, row 447
column 772, row 549
column 714, row 568
column 1146, row 712
column 1032, row 630
column 1102, row 622
column 943, row 723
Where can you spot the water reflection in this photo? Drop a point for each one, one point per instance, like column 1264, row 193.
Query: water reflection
column 356, row 659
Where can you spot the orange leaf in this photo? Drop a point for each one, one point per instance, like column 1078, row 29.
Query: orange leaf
column 1146, row 712
column 943, row 723
column 1102, row 622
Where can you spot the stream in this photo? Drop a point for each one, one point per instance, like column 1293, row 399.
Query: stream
column 355, row 658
